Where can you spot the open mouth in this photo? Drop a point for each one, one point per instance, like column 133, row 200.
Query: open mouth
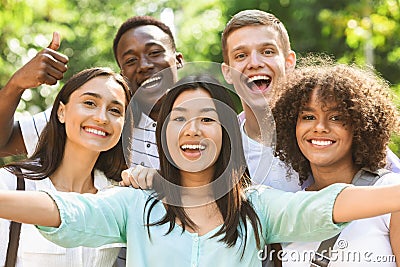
column 192, row 151
column 151, row 82
column 193, row 148
column 259, row 83
column 95, row 131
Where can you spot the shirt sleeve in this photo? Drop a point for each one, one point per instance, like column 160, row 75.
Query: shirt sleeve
column 393, row 162
column 301, row 216
column 32, row 127
column 93, row 220
column 8, row 181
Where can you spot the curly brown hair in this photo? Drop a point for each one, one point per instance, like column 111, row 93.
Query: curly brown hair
column 362, row 97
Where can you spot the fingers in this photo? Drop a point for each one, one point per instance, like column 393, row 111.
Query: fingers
column 55, row 42
column 47, row 67
column 150, row 177
column 51, row 64
column 138, row 177
column 53, row 47
column 56, row 55
column 125, row 178
column 48, row 70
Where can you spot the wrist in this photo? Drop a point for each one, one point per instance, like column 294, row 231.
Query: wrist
column 12, row 88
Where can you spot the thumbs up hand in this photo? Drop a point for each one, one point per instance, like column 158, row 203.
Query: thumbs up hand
column 47, row 67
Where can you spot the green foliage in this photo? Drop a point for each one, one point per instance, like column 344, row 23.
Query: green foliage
column 394, row 145
column 363, row 31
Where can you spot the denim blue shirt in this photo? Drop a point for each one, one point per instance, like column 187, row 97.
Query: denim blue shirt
column 116, row 215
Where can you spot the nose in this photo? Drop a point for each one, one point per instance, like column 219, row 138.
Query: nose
column 321, row 125
column 145, row 64
column 255, row 60
column 101, row 115
column 192, row 128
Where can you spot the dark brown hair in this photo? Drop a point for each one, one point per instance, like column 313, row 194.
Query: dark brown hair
column 233, row 205
column 361, row 96
column 50, row 148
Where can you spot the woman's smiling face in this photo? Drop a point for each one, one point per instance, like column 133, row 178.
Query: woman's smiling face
column 194, row 133
column 94, row 115
column 323, row 135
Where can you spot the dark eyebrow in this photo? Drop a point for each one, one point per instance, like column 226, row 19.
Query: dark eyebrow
column 99, row 97
column 91, row 94
column 240, row 47
column 128, row 52
column 307, row 108
column 203, row 110
column 179, row 109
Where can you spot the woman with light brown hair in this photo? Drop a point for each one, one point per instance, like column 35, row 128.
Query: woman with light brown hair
column 79, row 151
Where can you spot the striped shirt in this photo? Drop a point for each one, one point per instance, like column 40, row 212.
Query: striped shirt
column 32, row 127
column 144, row 148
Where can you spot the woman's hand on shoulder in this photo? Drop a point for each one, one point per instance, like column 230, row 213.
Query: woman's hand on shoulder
column 138, row 177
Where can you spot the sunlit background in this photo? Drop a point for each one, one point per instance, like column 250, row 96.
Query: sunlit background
column 361, row 31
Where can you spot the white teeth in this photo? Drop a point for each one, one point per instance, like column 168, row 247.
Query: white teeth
column 150, row 80
column 193, row 147
column 94, row 131
column 321, row 143
column 259, row 77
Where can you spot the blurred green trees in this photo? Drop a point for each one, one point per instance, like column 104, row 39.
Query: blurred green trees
column 361, row 31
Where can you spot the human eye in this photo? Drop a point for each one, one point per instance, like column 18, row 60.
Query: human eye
column 130, row 61
column 116, row 111
column 307, row 117
column 240, row 56
column 207, row 119
column 269, row 51
column 89, row 103
column 155, row 52
column 178, row 118
column 337, row 117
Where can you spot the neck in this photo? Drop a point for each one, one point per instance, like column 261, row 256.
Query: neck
column 197, row 190
column 75, row 171
column 197, row 179
column 257, row 121
column 251, row 125
column 325, row 176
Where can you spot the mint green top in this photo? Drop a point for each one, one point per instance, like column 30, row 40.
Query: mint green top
column 116, row 215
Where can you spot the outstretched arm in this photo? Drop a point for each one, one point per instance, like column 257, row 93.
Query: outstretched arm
column 47, row 67
column 29, row 207
column 318, row 215
column 360, row 202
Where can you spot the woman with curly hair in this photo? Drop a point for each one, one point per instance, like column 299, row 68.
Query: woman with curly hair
column 333, row 125
column 200, row 212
